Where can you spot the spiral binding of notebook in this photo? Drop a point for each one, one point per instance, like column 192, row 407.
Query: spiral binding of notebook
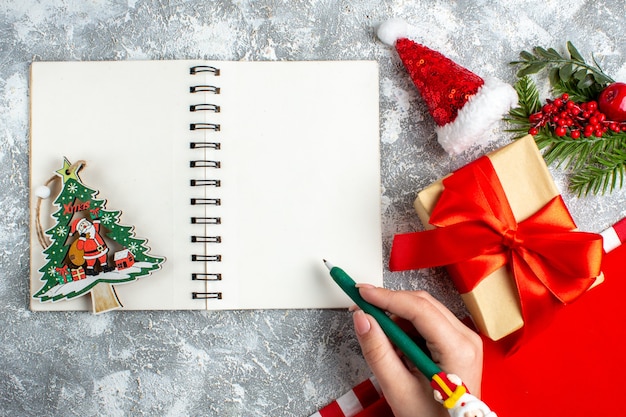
column 212, row 183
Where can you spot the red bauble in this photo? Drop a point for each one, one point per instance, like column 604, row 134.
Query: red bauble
column 612, row 102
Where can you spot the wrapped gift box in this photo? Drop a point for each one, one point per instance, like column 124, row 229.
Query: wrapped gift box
column 62, row 275
column 78, row 274
column 494, row 302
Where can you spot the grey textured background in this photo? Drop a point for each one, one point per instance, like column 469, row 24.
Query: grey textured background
column 248, row 363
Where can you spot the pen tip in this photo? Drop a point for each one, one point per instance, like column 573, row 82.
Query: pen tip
column 328, row 264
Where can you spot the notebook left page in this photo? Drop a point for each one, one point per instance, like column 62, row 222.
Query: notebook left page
column 128, row 130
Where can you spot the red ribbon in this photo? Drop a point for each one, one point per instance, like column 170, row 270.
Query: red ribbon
column 477, row 234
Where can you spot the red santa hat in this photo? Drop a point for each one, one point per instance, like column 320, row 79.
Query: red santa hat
column 463, row 105
column 75, row 224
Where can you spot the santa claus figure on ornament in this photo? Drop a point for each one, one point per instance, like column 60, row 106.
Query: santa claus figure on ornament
column 92, row 244
column 458, row 401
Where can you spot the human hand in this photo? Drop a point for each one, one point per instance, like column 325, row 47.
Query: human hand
column 453, row 346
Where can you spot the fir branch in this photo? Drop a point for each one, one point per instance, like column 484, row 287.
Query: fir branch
column 528, row 96
column 567, row 72
column 571, row 153
column 605, row 173
column 529, row 103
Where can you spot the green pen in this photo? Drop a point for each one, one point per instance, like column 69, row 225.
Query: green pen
column 399, row 338
column 451, row 391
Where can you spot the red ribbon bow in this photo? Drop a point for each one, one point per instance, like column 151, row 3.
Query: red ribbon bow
column 477, row 234
column 62, row 271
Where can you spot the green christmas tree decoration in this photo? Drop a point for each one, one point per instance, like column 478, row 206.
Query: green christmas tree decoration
column 89, row 250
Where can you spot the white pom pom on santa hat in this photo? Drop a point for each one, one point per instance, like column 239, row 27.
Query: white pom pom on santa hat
column 392, row 30
column 464, row 105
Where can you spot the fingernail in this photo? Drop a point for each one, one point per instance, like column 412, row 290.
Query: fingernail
column 361, row 323
column 364, row 285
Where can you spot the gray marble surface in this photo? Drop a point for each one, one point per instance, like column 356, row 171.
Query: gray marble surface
column 249, row 363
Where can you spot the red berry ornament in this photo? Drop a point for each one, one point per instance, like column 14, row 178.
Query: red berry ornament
column 560, row 131
column 612, row 102
column 565, row 117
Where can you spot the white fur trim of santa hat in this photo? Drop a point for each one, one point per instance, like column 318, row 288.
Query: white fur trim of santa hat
column 481, row 112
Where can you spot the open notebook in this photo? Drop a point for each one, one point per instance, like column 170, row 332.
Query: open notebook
column 285, row 158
